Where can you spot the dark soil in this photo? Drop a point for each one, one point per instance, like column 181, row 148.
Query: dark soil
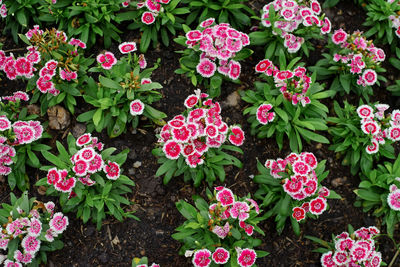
column 118, row 242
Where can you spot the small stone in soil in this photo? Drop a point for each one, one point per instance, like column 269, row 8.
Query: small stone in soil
column 78, row 130
column 59, row 117
column 131, row 171
column 143, row 252
column 137, row 164
column 338, row 181
column 318, row 146
column 42, row 190
column 233, row 99
column 33, row 109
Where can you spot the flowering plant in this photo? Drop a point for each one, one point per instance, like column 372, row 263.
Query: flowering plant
column 288, row 25
column 293, row 187
column 213, row 52
column 352, row 248
column 18, row 15
column 287, row 103
column 220, row 231
column 234, row 12
column 354, row 61
column 192, row 144
column 54, row 66
column 383, row 16
column 154, row 18
column 20, row 138
column 122, row 94
column 379, row 192
column 142, row 262
column 88, row 20
column 363, row 134
column 30, row 229
column 395, row 61
column 88, row 179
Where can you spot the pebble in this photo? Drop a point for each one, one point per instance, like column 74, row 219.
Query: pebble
column 143, row 252
column 133, row 131
column 318, row 146
column 59, row 118
column 137, row 164
column 42, row 190
column 338, row 181
column 233, row 99
column 78, row 130
column 131, row 171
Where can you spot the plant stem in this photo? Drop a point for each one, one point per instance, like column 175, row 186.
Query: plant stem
column 15, row 49
column 394, row 257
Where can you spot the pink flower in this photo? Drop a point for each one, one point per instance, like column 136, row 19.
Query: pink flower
column 84, row 139
column 326, row 260
column 206, row 68
column 80, row 167
column 340, row 258
column 8, row 263
column 23, row 66
column 68, row 75
column 365, row 111
column 148, row 18
column 35, row 227
column 339, row 36
column 5, row 124
column 176, row 123
column 107, row 60
column 142, row 62
column 300, row 167
column 58, row 223
column 201, row 258
column 181, row 134
column 220, row 256
column 172, row 149
column 87, row 154
column 263, row 65
column 370, row 127
column 358, row 253
column 207, row 22
column 211, row 131
column 112, row 170
column 293, row 185
column 247, row 228
column 254, row 204
column 246, row 257
column 373, row 148
column 191, row 101
column 194, row 35
column 316, row 8
column 194, row 159
column 394, row 133
column 240, row 210
column 65, row 185
column 393, row 200
column 309, row 159
column 30, row 244
column 221, row 232
column 237, row 136
column 127, row 47
column 318, row 205
column 299, row 213
column 263, row 116
column 226, row 197
column 136, row 107
column 326, row 26
column 234, row 70
column 369, row 77
column 24, row 258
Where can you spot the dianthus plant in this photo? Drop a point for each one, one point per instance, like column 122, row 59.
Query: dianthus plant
column 213, row 54
column 363, row 134
column 292, row 186
column 123, row 93
column 379, row 193
column 383, row 16
column 54, row 65
column 20, row 138
column 288, row 25
column 88, row 179
column 154, row 18
column 287, row 103
column 142, row 262
column 193, row 144
column 353, row 61
column 30, row 229
column 352, row 248
column 18, row 15
column 89, row 20
column 221, row 231
column 234, row 12
column 395, row 61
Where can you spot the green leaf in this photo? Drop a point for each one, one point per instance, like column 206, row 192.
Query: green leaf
column 97, row 116
column 107, row 82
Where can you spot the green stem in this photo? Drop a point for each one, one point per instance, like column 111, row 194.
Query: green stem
column 394, row 257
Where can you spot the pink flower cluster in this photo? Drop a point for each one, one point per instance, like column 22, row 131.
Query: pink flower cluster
column 17, row 96
column 263, row 115
column 107, row 59
column 293, row 14
column 359, row 56
column 292, row 84
column 29, row 229
column 393, row 198
column 217, row 41
column 203, row 257
column 228, row 208
column 302, row 182
column 154, row 7
column 85, row 162
column 395, row 19
column 145, row 265
column 3, row 9
column 378, row 126
column 202, row 129
column 20, row 67
column 357, row 249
